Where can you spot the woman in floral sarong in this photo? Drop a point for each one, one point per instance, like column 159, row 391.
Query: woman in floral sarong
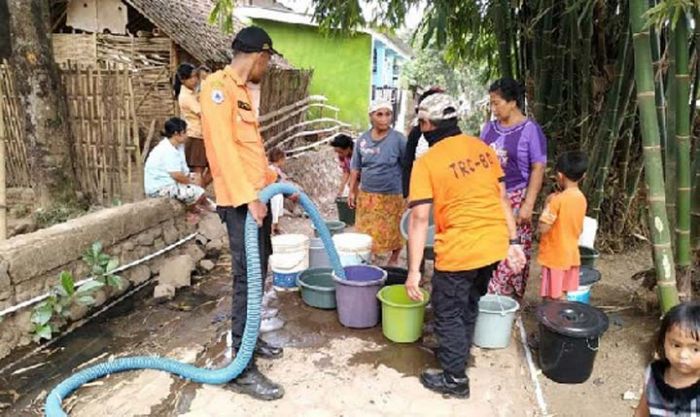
column 521, row 147
column 376, row 182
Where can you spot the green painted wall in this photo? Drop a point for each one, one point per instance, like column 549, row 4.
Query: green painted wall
column 341, row 65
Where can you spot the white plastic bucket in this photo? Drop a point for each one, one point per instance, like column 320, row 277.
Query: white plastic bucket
column 290, row 257
column 353, row 248
column 291, row 243
column 590, row 228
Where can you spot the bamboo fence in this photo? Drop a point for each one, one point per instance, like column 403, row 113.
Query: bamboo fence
column 102, row 110
column 17, row 166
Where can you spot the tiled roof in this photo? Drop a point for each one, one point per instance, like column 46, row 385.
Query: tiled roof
column 186, row 22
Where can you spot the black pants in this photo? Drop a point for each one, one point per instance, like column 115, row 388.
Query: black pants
column 234, row 218
column 455, row 300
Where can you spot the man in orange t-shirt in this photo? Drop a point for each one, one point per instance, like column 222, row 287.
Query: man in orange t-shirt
column 463, row 180
column 561, row 224
column 240, row 170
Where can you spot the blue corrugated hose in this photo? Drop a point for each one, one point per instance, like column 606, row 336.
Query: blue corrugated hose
column 250, row 334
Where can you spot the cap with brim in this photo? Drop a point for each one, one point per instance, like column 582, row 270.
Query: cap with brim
column 380, row 104
column 253, row 39
column 438, row 107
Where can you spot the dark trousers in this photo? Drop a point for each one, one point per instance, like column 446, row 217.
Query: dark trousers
column 455, row 300
column 234, row 218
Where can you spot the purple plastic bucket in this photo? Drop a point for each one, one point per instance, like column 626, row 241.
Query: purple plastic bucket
column 356, row 295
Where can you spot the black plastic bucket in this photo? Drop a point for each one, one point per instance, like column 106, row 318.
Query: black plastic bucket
column 395, row 276
column 569, row 340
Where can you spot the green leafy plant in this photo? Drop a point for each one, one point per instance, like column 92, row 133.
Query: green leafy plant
column 102, row 266
column 53, row 312
column 49, row 315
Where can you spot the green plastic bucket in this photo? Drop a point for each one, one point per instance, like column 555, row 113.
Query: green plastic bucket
column 334, row 226
column 318, row 288
column 588, row 256
column 402, row 318
column 495, row 321
column 345, row 213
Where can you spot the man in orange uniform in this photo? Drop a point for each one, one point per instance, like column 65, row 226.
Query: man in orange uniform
column 461, row 177
column 240, row 170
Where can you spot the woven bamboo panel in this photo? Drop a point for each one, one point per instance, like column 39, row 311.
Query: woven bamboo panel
column 78, row 48
column 101, row 106
column 11, row 128
column 280, row 88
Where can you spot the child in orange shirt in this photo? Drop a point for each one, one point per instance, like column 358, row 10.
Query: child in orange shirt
column 560, row 226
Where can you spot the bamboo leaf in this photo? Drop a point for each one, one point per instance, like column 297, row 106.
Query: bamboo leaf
column 115, row 281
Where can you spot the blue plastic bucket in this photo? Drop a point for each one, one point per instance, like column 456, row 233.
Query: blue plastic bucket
column 582, row 295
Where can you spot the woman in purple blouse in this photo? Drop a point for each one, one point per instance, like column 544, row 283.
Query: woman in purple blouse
column 522, row 150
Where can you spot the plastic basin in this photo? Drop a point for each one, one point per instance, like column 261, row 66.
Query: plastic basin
column 395, row 276
column 402, row 318
column 317, row 288
column 334, row 226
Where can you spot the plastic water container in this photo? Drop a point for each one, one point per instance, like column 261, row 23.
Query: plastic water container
column 582, row 295
column 318, row 256
column 345, row 213
column 587, row 277
column 353, row 248
column 590, row 228
column 334, row 226
column 402, row 318
column 290, row 257
column 495, row 321
column 569, row 340
column 356, row 295
column 428, row 252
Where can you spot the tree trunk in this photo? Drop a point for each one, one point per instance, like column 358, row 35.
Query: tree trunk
column 653, row 166
column 42, row 96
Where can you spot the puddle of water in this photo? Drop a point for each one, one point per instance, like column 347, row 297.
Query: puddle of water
column 409, row 360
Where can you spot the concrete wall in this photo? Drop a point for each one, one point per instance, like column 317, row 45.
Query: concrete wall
column 30, row 264
column 341, row 64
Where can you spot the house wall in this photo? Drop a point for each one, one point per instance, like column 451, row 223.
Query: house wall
column 341, row 65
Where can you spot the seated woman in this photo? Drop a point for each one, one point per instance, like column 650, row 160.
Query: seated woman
column 166, row 173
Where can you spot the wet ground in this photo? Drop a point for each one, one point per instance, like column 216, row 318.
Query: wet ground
column 327, row 370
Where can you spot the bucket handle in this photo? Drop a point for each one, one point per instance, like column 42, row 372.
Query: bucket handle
column 500, row 304
column 588, row 344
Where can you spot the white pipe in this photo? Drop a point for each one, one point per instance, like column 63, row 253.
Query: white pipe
column 86, row 280
column 533, row 371
column 75, row 325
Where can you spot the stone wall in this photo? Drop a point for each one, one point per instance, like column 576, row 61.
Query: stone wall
column 318, row 173
column 31, row 263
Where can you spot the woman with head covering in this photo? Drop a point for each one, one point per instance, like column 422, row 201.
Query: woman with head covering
column 376, row 182
column 521, row 147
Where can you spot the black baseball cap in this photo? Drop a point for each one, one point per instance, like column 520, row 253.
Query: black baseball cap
column 253, row 39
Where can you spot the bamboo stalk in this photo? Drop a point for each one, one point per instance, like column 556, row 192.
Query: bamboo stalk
column 682, row 129
column 658, row 220
column 3, row 183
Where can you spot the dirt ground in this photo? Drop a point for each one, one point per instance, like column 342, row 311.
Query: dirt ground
column 625, row 349
column 327, row 370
